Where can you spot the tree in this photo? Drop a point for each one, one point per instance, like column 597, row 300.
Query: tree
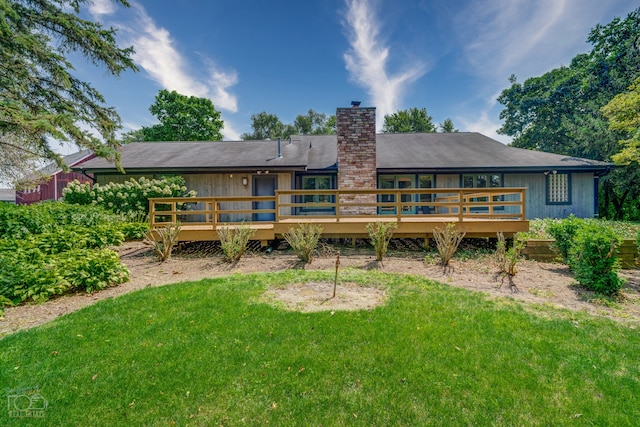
column 447, row 126
column 314, row 123
column 623, row 112
column 182, row 118
column 40, row 99
column 265, row 126
column 269, row 126
column 561, row 111
column 412, row 120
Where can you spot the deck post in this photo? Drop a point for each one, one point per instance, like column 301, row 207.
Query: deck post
column 337, row 196
column 174, row 216
column 152, row 215
column 460, row 204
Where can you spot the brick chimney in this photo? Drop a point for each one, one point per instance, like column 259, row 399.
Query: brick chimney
column 356, row 131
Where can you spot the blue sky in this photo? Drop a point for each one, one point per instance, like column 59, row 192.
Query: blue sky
column 452, row 57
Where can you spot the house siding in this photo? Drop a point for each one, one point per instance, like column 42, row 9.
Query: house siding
column 582, row 195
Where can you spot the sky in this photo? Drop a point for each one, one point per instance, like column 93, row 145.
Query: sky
column 452, row 57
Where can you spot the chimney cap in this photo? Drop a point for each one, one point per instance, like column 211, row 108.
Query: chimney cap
column 355, row 104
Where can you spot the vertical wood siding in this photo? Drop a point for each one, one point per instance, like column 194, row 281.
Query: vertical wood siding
column 582, row 195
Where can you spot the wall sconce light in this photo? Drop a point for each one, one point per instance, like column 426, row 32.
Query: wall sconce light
column 245, row 181
column 551, row 172
column 230, row 175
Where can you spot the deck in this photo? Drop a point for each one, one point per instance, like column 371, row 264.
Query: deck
column 345, row 213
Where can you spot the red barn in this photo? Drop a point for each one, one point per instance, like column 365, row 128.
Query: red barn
column 51, row 188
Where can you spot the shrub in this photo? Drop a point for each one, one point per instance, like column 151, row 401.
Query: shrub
column 304, row 239
column 130, row 197
column 593, row 258
column 563, row 232
column 28, row 274
column 20, row 221
column 380, row 234
column 234, row 240
column 166, row 240
column 508, row 258
column 447, row 241
column 134, row 230
column 91, row 270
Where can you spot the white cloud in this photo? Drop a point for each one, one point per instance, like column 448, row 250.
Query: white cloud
column 526, row 38
column 97, row 8
column 157, row 54
column 367, row 60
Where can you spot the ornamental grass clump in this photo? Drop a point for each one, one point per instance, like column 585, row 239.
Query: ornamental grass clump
column 380, row 234
column 447, row 241
column 234, row 240
column 594, row 260
column 304, row 240
column 167, row 238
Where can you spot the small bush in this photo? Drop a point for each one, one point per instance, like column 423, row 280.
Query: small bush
column 91, row 270
column 508, row 258
column 134, row 230
column 166, row 240
column 380, row 234
column 304, row 239
column 563, row 232
column 593, row 258
column 447, row 241
column 234, row 240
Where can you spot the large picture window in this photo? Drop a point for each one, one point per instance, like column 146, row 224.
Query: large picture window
column 558, row 188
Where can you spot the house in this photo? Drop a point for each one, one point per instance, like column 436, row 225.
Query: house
column 54, row 180
column 358, row 158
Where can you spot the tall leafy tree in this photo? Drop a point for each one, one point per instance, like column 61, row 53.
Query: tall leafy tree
column 266, row 126
column 40, row 98
column 413, row 120
column 269, row 126
column 623, row 112
column 314, row 123
column 560, row 111
column 182, row 118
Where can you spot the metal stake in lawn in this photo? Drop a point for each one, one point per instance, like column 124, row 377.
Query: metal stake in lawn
column 335, row 281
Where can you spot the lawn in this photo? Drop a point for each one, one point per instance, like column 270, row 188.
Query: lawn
column 214, row 353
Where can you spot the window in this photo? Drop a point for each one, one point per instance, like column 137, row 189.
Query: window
column 390, row 182
column 558, row 188
column 316, row 182
column 481, row 181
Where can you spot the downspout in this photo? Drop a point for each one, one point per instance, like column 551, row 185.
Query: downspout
column 94, row 180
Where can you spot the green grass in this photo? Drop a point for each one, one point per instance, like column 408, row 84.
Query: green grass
column 211, row 353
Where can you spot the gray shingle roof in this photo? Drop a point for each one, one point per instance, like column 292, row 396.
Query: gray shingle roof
column 465, row 151
column 206, row 156
column 457, row 151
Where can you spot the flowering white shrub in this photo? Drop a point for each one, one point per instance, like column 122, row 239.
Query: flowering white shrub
column 130, row 197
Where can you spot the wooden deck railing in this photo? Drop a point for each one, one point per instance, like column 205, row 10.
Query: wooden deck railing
column 458, row 203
